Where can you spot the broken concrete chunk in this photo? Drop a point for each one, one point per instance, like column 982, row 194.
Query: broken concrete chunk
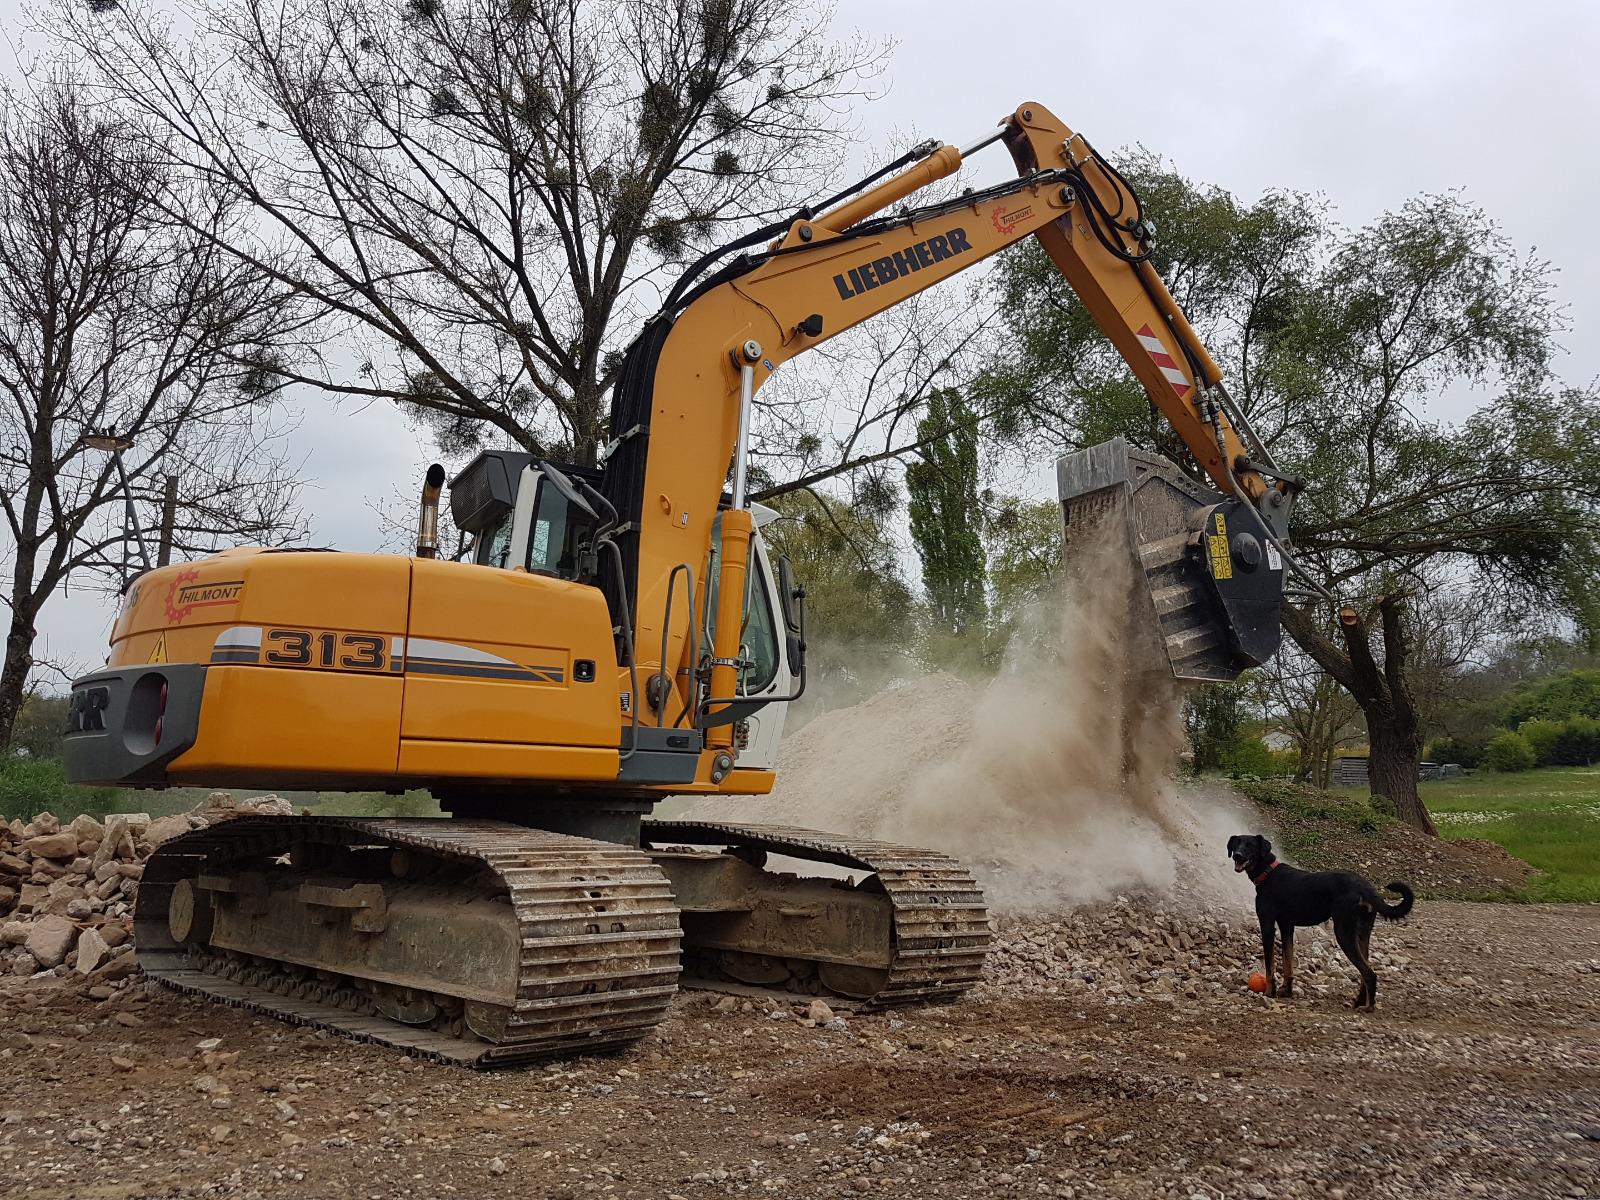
column 50, row 939
column 53, row 845
column 92, row 951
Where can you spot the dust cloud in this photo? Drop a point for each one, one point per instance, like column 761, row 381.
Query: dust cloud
column 1055, row 781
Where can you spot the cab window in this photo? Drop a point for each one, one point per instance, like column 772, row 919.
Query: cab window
column 494, row 543
column 759, row 645
column 558, row 534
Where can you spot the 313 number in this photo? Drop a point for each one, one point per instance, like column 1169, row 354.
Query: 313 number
column 332, row 651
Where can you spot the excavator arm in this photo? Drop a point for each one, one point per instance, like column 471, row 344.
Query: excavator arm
column 682, row 408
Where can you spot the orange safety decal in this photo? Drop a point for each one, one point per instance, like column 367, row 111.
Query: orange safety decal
column 1169, row 366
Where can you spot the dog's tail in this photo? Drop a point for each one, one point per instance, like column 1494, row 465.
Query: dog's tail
column 1393, row 912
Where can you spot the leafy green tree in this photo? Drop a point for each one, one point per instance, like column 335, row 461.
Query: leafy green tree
column 1023, row 542
column 1571, row 693
column 1508, row 752
column 946, row 521
column 1335, row 342
column 1214, row 716
column 860, row 612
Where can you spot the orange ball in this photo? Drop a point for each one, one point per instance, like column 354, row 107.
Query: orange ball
column 1258, row 982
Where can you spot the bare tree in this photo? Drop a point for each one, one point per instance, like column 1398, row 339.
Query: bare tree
column 1452, row 629
column 487, row 192
column 1312, row 709
column 112, row 318
column 855, row 406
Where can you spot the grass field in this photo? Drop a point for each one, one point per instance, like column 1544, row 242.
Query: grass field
column 1549, row 818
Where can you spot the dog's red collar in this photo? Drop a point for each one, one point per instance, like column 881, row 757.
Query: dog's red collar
column 1262, row 878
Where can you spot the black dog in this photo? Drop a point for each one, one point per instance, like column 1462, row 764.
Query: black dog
column 1286, row 897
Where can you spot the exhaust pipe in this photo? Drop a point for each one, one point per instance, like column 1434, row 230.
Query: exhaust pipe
column 428, row 520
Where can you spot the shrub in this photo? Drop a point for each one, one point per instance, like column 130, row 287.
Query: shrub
column 1577, row 742
column 1465, row 751
column 1381, row 805
column 1542, row 735
column 1249, row 756
column 1508, row 752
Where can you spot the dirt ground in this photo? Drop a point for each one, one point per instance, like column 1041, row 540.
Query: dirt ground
column 1479, row 1076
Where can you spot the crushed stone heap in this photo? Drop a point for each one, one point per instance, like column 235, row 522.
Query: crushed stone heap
column 67, row 891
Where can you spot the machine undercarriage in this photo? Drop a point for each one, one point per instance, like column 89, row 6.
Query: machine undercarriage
column 488, row 943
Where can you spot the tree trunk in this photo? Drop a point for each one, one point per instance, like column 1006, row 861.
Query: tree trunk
column 1382, row 691
column 1396, row 742
column 14, row 673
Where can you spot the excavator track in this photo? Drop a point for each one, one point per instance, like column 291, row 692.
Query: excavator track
column 938, row 933
column 594, row 923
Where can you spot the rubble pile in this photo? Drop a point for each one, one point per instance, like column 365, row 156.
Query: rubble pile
column 1139, row 949
column 66, row 891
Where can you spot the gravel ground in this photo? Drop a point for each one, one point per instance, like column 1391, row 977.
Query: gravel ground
column 1113, row 1053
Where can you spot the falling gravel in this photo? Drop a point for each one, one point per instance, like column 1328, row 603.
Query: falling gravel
column 1055, row 781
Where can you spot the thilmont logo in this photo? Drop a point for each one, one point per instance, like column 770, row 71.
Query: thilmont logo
column 878, row 271
column 185, row 594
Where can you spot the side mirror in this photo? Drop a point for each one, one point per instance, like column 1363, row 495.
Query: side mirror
column 573, row 497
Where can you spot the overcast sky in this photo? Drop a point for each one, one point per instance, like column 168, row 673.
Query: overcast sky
column 1366, row 103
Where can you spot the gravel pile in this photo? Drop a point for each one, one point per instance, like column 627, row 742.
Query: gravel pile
column 1136, row 949
column 66, row 891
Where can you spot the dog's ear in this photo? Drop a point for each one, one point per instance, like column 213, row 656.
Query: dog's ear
column 1232, row 842
column 1263, row 845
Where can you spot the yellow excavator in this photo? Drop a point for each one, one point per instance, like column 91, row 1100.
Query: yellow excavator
column 608, row 637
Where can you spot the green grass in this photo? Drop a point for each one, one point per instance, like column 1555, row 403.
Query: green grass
column 1549, row 818
column 1345, row 807
column 29, row 787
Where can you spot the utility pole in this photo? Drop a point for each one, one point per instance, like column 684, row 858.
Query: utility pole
column 114, row 444
column 169, row 516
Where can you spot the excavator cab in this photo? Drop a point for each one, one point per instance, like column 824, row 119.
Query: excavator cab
column 519, row 515
column 1208, row 570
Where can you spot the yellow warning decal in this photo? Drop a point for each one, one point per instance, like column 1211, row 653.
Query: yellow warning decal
column 159, row 654
column 1217, row 544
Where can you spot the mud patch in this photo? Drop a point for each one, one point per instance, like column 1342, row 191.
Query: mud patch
column 992, row 1106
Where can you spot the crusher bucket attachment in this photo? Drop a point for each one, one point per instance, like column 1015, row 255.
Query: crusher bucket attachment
column 1212, row 579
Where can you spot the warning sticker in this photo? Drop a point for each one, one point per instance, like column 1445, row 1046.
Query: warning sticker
column 159, row 653
column 1217, row 544
column 1274, row 559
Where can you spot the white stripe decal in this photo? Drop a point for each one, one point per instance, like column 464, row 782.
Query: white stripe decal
column 450, row 652
column 1151, row 344
column 240, row 637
